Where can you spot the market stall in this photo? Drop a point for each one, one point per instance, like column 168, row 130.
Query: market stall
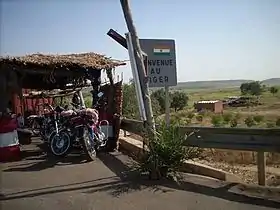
column 48, row 72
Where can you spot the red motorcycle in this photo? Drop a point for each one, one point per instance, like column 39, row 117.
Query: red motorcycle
column 80, row 128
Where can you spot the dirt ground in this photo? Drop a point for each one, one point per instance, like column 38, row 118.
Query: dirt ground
column 243, row 164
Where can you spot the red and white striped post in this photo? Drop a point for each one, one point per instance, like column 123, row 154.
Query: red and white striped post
column 9, row 142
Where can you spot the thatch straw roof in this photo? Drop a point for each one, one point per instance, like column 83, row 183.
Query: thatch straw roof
column 38, row 71
column 70, row 61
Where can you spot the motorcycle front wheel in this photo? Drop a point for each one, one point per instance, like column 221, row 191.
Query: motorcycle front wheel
column 88, row 145
column 60, row 144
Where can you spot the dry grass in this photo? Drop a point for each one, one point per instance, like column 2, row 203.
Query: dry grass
column 83, row 60
column 239, row 157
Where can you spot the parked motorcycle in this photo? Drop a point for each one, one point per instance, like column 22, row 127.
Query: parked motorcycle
column 80, row 127
column 44, row 125
column 34, row 122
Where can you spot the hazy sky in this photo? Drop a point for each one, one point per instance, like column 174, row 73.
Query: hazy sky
column 215, row 39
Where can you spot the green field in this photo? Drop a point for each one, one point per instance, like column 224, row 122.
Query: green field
column 266, row 114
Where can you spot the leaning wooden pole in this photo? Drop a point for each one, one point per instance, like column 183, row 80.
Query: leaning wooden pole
column 150, row 123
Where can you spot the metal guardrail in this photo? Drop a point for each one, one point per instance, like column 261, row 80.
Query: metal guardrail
column 247, row 139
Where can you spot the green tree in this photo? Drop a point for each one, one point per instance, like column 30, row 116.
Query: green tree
column 244, row 88
column 273, row 90
column 88, row 101
column 178, row 100
column 256, row 88
column 159, row 95
column 130, row 106
column 253, row 88
column 130, row 103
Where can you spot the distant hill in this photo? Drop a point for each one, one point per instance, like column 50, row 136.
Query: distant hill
column 216, row 84
column 211, row 84
column 272, row 82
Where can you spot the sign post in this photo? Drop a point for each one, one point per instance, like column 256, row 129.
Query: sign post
column 161, row 66
column 167, row 106
column 138, row 90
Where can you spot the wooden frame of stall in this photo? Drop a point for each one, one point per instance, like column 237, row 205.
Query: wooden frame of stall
column 49, row 72
column 33, row 101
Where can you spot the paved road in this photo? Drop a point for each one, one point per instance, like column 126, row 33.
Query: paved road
column 40, row 183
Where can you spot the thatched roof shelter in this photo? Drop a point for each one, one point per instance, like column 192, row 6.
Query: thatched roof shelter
column 38, row 71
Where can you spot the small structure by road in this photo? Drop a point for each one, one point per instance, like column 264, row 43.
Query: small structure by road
column 215, row 106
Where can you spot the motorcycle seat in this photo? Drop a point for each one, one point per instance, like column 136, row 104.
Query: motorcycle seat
column 32, row 116
column 67, row 113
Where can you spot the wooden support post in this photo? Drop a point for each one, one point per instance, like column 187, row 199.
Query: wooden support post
column 61, row 101
column 95, row 80
column 81, row 98
column 167, row 106
column 261, row 168
column 150, row 123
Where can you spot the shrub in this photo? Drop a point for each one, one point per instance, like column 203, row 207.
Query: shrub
column 199, row 118
column 205, row 112
column 270, row 125
column 167, row 153
column 249, row 121
column 217, row 120
column 273, row 90
column 277, row 122
column 227, row 117
column 186, row 121
column 237, row 116
column 190, row 115
column 175, row 119
column 258, row 118
column 233, row 123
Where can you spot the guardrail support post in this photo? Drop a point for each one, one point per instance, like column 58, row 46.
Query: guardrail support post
column 261, row 168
